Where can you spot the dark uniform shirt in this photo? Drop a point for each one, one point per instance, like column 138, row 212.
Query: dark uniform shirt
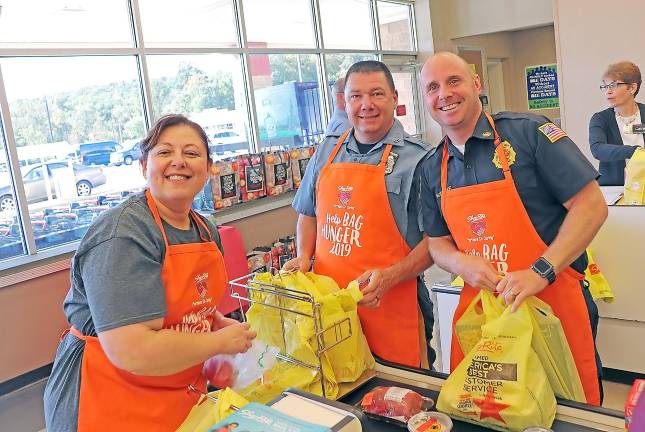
column 546, row 173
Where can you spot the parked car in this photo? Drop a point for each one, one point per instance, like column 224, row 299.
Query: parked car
column 126, row 155
column 87, row 178
column 97, row 153
column 227, row 141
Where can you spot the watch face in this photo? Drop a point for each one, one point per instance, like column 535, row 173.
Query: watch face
column 542, row 266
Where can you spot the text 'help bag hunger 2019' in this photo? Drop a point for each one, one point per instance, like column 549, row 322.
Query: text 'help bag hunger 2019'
column 501, row 382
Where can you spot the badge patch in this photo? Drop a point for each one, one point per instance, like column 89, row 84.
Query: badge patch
column 486, row 134
column 389, row 164
column 552, row 132
column 509, row 151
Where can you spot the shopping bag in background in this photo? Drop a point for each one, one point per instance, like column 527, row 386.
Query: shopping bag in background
column 210, row 410
column 299, row 159
column 278, row 173
column 468, row 326
column 551, row 346
column 634, row 193
column 598, row 284
column 501, row 382
column 251, row 173
column 225, row 183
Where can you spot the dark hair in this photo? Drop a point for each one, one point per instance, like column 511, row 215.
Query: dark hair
column 164, row 123
column 370, row 66
column 625, row 71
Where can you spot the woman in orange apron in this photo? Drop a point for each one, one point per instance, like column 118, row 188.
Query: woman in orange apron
column 160, row 327
column 507, row 223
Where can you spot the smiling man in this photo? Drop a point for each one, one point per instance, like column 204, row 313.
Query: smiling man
column 510, row 204
column 359, row 218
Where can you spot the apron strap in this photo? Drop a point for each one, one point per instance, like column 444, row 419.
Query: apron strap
column 499, row 149
column 155, row 215
column 340, row 142
column 202, row 227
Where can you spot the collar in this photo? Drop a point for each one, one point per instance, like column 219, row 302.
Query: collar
column 483, row 129
column 394, row 136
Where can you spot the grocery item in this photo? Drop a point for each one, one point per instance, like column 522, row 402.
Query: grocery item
column 219, row 371
column 632, row 400
column 259, row 259
column 395, row 402
column 430, row 421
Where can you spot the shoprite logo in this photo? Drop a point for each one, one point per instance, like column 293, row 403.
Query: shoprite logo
column 344, row 195
column 477, row 224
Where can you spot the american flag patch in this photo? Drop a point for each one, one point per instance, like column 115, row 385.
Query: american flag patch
column 552, row 132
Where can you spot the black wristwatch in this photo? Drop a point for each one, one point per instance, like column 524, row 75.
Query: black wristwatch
column 544, row 269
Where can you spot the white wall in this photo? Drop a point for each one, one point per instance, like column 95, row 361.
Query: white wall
column 587, row 40
column 460, row 18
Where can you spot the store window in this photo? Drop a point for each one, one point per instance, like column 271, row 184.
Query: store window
column 64, row 24
column 287, row 99
column 208, row 88
column 11, row 238
column 395, row 26
column 203, row 23
column 347, row 24
column 279, row 23
column 73, row 126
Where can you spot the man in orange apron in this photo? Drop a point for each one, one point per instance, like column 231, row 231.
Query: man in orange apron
column 510, row 204
column 359, row 212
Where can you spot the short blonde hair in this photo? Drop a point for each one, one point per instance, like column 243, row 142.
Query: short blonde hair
column 625, row 71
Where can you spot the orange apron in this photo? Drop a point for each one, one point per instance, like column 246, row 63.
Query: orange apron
column 489, row 220
column 194, row 279
column 356, row 233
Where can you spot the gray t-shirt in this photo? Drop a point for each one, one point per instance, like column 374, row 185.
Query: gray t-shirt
column 115, row 281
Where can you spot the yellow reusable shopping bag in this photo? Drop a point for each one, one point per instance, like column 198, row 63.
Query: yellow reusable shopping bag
column 501, row 383
column 551, row 346
column 634, row 193
column 207, row 412
column 598, row 284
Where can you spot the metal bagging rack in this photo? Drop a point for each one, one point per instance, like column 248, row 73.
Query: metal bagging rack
column 248, row 291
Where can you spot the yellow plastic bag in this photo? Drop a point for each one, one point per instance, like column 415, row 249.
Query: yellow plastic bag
column 598, row 284
column 206, row 412
column 501, row 382
column 551, row 346
column 468, row 326
column 634, row 193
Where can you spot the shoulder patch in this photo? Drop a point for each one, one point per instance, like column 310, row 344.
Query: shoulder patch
column 510, row 155
column 552, row 132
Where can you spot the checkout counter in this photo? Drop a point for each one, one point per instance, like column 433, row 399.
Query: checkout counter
column 570, row 417
column 619, row 251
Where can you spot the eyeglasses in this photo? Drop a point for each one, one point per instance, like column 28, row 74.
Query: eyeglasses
column 612, row 85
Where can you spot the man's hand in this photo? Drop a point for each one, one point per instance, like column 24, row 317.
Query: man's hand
column 516, row 286
column 478, row 272
column 378, row 283
column 300, row 263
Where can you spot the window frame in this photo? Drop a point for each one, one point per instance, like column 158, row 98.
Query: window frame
column 31, row 256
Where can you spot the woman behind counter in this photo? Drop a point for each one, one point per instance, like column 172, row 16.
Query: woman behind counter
column 607, row 138
column 146, row 281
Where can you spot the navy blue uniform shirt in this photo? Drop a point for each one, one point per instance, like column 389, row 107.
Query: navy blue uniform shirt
column 546, row 174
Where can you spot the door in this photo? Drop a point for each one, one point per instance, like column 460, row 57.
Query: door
column 405, row 82
column 496, row 86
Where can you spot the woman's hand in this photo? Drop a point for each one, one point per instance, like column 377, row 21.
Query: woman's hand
column 220, row 321
column 235, row 338
column 299, row 263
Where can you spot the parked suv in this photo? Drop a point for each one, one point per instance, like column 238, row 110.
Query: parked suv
column 97, row 153
column 126, row 155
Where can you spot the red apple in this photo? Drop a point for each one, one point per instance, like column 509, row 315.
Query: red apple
column 219, row 372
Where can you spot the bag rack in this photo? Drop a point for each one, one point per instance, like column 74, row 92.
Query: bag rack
column 242, row 289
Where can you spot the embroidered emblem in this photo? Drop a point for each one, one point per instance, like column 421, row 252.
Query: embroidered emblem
column 201, row 283
column 344, row 195
column 487, row 134
column 552, row 132
column 509, row 151
column 389, row 164
column 477, row 224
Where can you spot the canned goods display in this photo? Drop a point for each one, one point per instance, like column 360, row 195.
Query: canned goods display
column 430, row 421
column 537, row 429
